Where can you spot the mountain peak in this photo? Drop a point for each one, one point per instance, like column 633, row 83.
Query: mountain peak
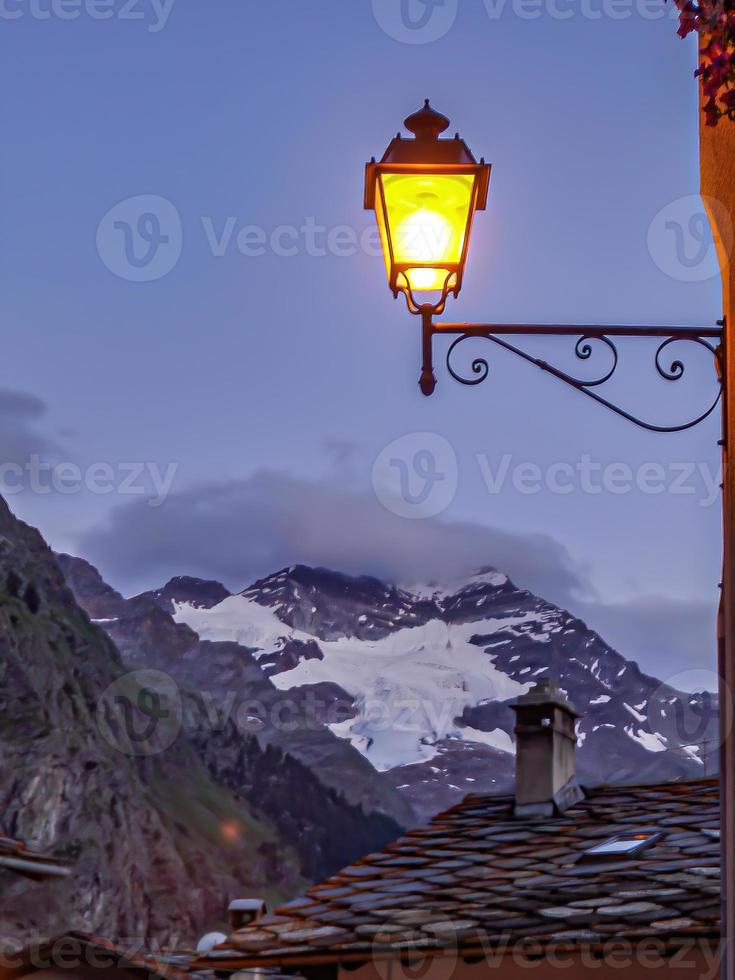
column 485, row 577
column 195, row 591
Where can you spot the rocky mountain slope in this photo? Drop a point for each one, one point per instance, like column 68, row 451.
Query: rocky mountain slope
column 229, row 683
column 166, row 816
column 415, row 679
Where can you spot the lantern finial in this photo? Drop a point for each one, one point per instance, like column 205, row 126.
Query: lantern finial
column 426, row 124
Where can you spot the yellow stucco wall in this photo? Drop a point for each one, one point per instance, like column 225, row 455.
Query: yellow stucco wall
column 717, row 162
column 717, row 155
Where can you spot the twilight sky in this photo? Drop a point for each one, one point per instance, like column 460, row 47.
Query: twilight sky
column 191, row 290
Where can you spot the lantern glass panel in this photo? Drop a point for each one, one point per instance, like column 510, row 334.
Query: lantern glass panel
column 428, row 217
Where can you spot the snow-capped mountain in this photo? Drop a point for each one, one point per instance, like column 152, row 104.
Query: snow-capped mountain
column 406, row 661
column 416, row 678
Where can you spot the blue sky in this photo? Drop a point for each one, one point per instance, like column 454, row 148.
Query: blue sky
column 264, row 380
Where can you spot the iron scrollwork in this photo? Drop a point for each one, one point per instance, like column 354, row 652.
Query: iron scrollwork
column 499, row 335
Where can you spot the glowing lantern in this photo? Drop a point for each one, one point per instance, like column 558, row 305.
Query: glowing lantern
column 425, row 192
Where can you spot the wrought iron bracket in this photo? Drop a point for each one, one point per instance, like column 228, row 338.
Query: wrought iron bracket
column 709, row 338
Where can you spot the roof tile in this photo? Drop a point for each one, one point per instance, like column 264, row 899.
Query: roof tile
column 476, row 874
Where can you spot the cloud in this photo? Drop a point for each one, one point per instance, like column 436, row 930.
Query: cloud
column 240, row 530
column 236, row 531
column 20, row 438
column 20, row 405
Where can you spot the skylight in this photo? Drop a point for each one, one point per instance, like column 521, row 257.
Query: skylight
column 624, row 845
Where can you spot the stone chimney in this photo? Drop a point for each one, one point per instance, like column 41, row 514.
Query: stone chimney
column 242, row 911
column 545, row 742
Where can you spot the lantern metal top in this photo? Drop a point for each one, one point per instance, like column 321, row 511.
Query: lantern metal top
column 427, row 125
column 425, row 191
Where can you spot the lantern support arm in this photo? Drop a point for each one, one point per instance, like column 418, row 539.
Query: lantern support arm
column 709, row 338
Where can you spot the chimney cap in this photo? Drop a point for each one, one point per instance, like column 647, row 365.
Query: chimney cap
column 545, row 741
column 546, row 691
column 246, row 905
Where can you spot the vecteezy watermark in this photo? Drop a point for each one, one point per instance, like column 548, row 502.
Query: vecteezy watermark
column 424, row 21
column 585, row 9
column 78, row 952
column 415, row 21
column 309, row 237
column 140, row 713
column 153, row 13
column 140, row 239
column 40, row 476
column 431, row 953
column 431, row 928
column 685, row 712
column 593, row 477
column 680, row 238
column 436, row 941
column 416, row 475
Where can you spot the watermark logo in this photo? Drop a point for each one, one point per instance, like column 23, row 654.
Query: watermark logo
column 415, row 21
column 685, row 711
column 153, row 13
column 65, row 477
column 586, row 9
column 310, row 238
column 141, row 238
column 680, row 238
column 428, row 929
column 140, row 713
column 589, row 476
column 424, row 21
column 417, row 475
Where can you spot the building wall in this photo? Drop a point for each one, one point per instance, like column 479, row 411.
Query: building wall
column 76, row 971
column 694, row 962
column 717, row 162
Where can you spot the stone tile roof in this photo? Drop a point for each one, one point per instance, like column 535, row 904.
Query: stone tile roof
column 16, row 856
column 477, row 876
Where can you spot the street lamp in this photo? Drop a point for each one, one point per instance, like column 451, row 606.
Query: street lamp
column 425, row 192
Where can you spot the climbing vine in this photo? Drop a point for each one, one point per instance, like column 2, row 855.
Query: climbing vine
column 714, row 22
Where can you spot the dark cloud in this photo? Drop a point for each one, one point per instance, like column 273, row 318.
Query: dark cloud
column 237, row 531
column 19, row 405
column 20, row 437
